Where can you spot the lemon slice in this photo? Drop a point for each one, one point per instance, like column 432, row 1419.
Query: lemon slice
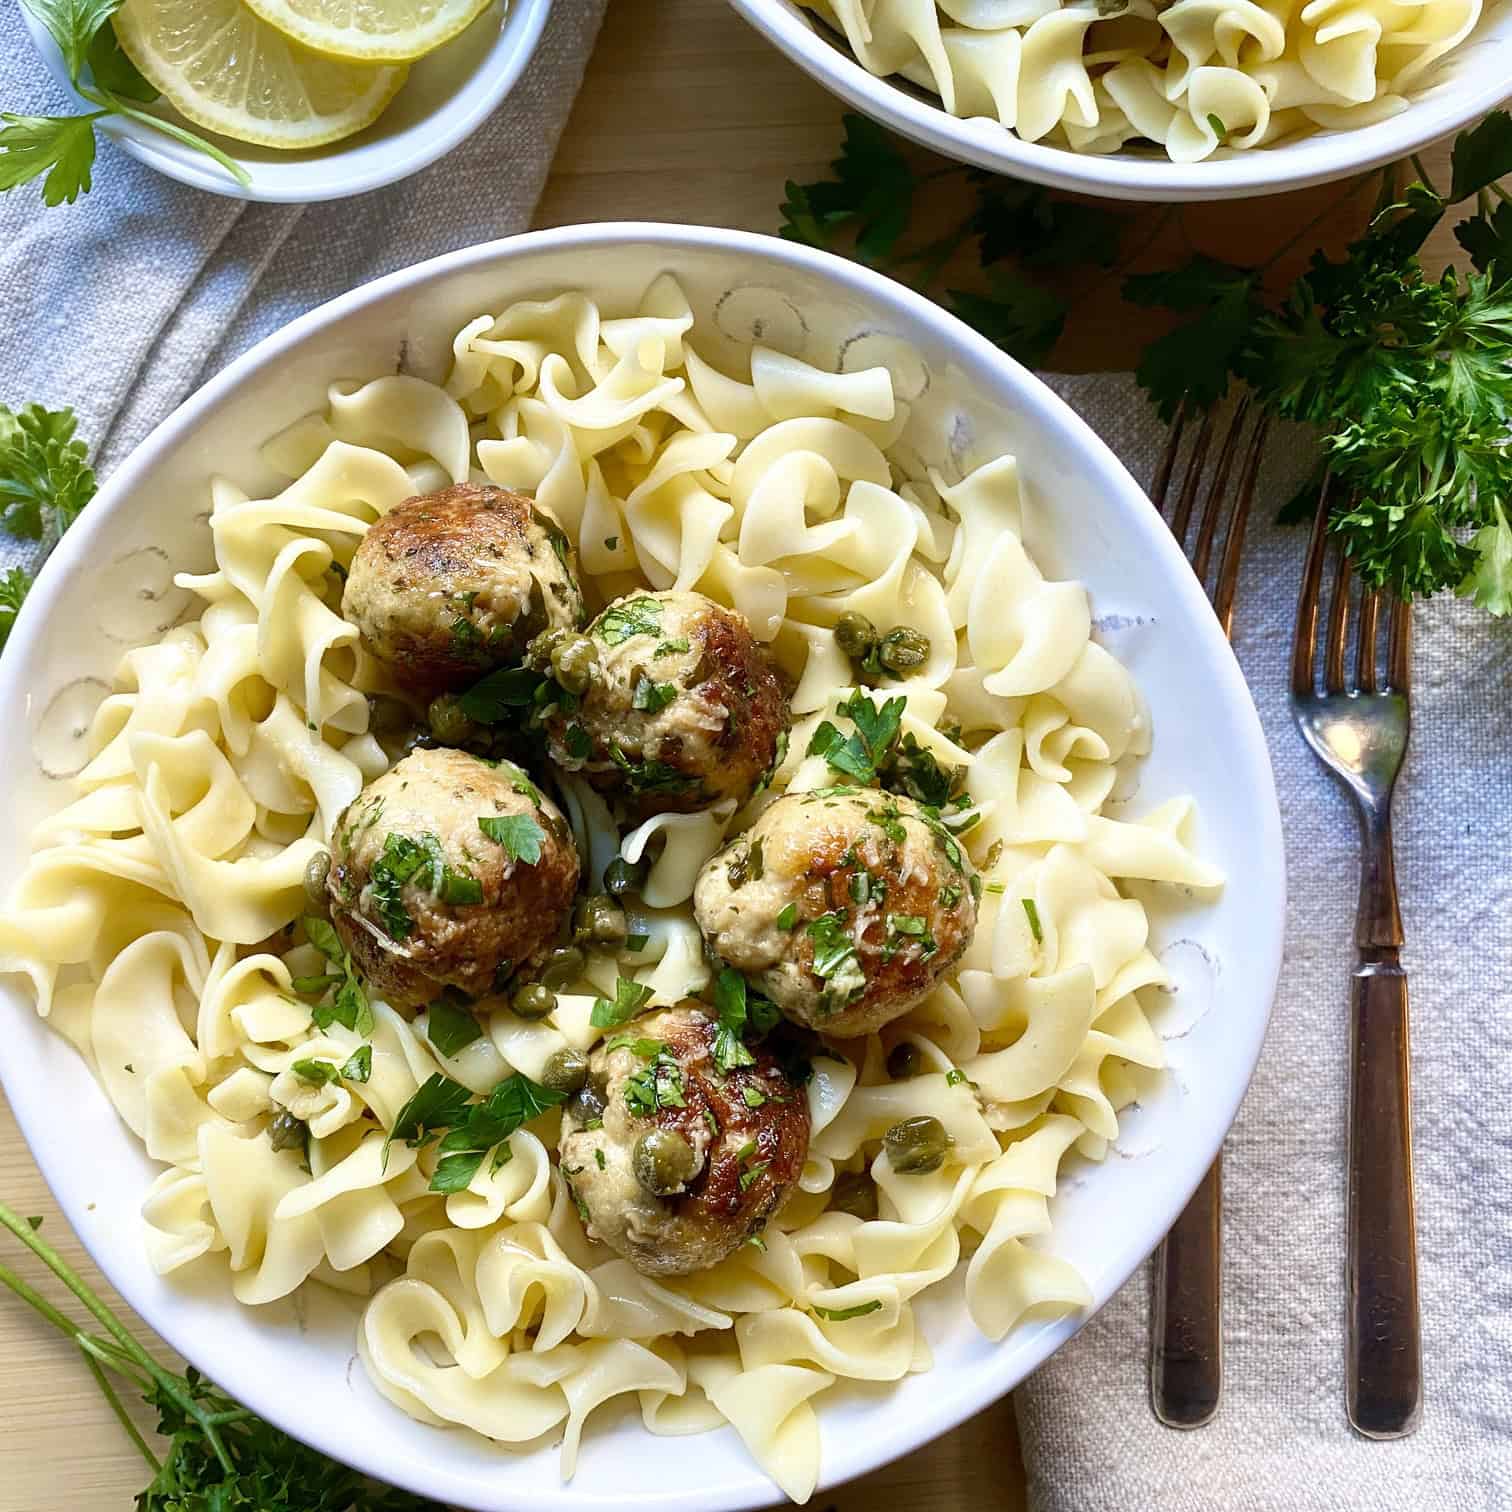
column 222, row 68
column 371, row 31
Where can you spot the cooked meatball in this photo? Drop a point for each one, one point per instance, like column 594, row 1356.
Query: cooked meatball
column 844, row 906
column 449, row 871
column 449, row 585
column 673, row 1162
column 685, row 707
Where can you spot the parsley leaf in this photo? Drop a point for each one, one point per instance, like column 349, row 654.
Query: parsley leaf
column 359, row 1065
column 349, row 1006
column 873, row 189
column 1031, row 912
column 72, row 24
column 862, row 754
column 631, row 617
column 316, row 1072
column 450, row 1027
column 490, row 699
column 730, row 1004
column 45, row 476
column 1488, row 239
column 835, row 960
column 647, row 776
column 519, row 834
column 62, row 147
column 1482, row 156
column 651, row 697
column 1024, row 319
column 629, row 998
column 14, row 587
column 656, row 1085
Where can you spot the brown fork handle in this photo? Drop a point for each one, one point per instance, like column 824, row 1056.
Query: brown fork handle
column 1186, row 1344
column 1384, row 1364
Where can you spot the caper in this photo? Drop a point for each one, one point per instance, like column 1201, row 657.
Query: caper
column 916, row 1146
column 622, row 876
column 903, row 1060
column 856, row 1195
column 855, row 635
column 599, row 920
column 663, row 1162
column 574, row 663
column 317, row 873
column 286, row 1132
column 388, row 715
column 587, row 1104
column 538, row 652
column 563, row 966
column 565, row 1071
column 448, row 724
column 903, row 650
column 533, row 1001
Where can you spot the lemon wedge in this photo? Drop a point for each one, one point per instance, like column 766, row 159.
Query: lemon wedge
column 223, row 68
column 371, row 31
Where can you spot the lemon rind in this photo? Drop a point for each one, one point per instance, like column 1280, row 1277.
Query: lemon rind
column 353, row 48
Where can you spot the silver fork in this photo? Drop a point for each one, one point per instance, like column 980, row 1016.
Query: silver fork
column 1186, row 1320
column 1358, row 724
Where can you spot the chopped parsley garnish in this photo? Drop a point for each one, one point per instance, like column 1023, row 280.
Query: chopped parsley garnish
column 950, row 895
column 317, row 1072
column 649, row 776
column 349, row 1005
column 788, row 917
column 749, row 1176
column 636, row 1044
column 889, row 819
column 636, row 616
column 915, row 771
column 519, row 834
column 359, row 1066
column 651, row 697
column 598, row 1155
column 450, row 1027
column 906, row 929
column 466, row 638
column 860, row 888
column 835, row 960
column 862, row 754
column 753, row 1096
column 575, row 739
column 1032, row 910
column 845, row 1314
column 420, row 862
column 730, row 1003
column 473, row 1128
column 611, row 543
column 658, row 1084
column 954, row 1077
column 672, row 647
column 629, row 998
column 490, row 700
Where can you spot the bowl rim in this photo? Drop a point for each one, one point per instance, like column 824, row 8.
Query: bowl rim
column 955, row 1399
column 519, row 40
column 1240, row 175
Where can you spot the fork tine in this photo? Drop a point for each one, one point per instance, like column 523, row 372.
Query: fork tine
column 1365, row 651
column 1162, row 484
column 1212, row 509
column 1305, row 646
column 1233, row 545
column 1399, row 648
column 1338, row 625
column 1196, row 465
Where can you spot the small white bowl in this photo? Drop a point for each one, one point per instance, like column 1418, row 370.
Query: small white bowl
column 447, row 96
column 1474, row 80
column 108, row 586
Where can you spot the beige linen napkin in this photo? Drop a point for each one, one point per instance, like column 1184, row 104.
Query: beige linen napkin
column 1280, row 1442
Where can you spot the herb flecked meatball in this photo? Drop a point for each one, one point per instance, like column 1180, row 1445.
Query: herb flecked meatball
column 447, row 586
column 844, row 906
column 449, row 871
column 685, row 707
column 673, row 1161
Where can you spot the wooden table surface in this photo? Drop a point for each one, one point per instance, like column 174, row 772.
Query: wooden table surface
column 686, row 115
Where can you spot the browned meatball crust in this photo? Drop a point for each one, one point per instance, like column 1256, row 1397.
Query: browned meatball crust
column 844, row 906
column 431, row 881
column 447, row 586
column 748, row 1129
column 686, row 707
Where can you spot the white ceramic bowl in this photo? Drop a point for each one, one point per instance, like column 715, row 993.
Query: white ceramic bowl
column 445, row 99
column 108, row 586
column 1474, row 80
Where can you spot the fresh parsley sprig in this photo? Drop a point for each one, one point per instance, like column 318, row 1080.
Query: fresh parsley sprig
column 219, row 1456
column 45, row 481
column 60, row 150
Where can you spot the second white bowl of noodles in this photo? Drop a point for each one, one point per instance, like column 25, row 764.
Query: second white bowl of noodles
column 1473, row 79
column 108, row 587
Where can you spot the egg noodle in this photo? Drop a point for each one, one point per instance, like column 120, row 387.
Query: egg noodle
column 153, row 918
column 1191, row 77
